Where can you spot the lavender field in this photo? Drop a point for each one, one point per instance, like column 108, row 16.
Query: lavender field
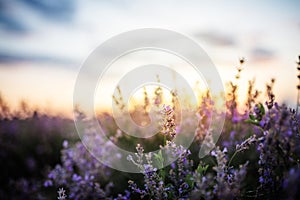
column 256, row 157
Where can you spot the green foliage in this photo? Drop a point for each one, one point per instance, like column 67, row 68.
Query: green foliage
column 257, row 117
column 201, row 169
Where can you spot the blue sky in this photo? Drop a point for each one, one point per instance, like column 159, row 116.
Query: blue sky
column 44, row 42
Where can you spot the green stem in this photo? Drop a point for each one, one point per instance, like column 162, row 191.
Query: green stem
column 298, row 95
column 234, row 154
column 162, row 170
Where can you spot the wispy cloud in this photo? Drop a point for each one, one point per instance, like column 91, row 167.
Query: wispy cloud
column 8, row 19
column 216, row 38
column 19, row 57
column 262, row 54
column 61, row 10
column 16, row 16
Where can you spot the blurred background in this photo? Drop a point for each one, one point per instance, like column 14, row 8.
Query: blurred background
column 44, row 42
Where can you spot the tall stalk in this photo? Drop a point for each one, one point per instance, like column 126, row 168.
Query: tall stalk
column 298, row 86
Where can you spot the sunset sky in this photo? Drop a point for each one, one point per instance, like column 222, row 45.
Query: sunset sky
column 44, row 42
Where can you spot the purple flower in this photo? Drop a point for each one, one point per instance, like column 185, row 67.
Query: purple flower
column 48, row 183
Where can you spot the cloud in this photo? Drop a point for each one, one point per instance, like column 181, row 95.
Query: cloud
column 16, row 58
column 20, row 16
column 9, row 20
column 262, row 54
column 216, row 38
column 32, row 31
column 53, row 9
